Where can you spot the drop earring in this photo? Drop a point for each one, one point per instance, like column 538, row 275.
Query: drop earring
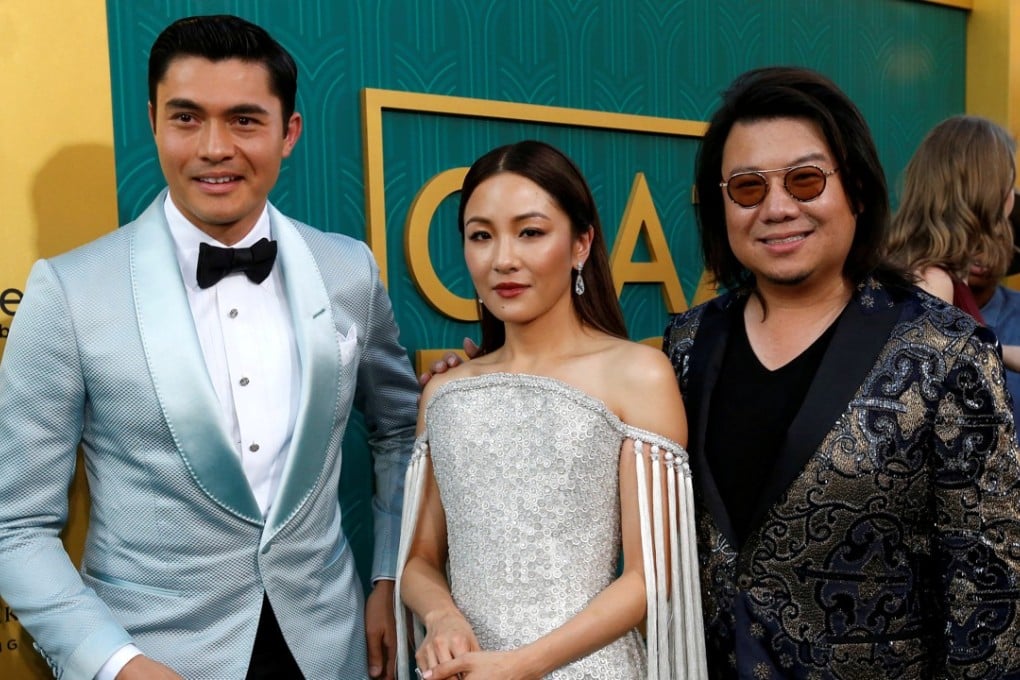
column 579, row 281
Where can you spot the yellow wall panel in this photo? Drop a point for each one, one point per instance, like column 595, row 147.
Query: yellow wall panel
column 57, row 184
column 993, row 62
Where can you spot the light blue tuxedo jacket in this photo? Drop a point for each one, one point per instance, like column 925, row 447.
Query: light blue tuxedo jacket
column 103, row 352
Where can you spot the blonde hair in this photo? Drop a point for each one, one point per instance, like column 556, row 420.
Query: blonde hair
column 952, row 211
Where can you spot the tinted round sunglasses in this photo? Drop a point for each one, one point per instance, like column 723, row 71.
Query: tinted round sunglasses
column 803, row 182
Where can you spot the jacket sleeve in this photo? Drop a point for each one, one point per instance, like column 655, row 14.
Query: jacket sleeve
column 43, row 400
column 387, row 396
column 976, row 490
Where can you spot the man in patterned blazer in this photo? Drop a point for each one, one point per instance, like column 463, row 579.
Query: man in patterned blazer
column 851, row 437
column 210, row 391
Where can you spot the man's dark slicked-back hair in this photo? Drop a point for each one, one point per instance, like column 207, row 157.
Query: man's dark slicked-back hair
column 790, row 92
column 218, row 38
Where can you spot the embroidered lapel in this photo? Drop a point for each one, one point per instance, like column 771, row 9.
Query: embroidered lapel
column 706, row 358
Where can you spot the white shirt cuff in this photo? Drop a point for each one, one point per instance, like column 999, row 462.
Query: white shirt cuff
column 109, row 670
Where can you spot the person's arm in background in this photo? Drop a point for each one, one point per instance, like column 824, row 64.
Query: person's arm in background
column 938, row 282
column 1011, row 358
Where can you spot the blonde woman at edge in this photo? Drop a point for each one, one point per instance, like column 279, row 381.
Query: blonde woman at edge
column 954, row 212
column 542, row 458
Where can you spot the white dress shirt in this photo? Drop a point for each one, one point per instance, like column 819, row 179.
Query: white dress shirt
column 248, row 343
column 251, row 356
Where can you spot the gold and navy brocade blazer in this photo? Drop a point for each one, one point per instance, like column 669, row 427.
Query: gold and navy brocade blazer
column 887, row 540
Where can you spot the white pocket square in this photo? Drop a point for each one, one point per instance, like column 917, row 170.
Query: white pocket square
column 348, row 344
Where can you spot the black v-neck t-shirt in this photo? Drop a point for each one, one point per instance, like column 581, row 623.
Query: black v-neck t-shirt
column 750, row 413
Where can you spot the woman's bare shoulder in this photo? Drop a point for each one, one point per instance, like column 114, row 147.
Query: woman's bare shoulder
column 488, row 363
column 464, row 370
column 628, row 372
column 642, row 389
column 638, row 362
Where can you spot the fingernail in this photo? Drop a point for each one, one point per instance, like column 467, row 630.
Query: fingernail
column 427, row 674
column 374, row 670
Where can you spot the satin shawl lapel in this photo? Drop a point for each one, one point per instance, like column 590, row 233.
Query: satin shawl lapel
column 706, row 356
column 318, row 351
column 178, row 370
column 861, row 333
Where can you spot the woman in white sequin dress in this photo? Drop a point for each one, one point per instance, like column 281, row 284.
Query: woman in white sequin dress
column 545, row 456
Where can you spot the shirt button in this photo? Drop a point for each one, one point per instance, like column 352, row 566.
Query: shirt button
column 253, row 448
column 232, row 314
column 243, row 382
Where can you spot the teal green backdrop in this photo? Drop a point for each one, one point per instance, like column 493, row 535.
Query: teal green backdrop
column 902, row 61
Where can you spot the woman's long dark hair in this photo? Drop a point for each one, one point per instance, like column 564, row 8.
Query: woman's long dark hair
column 559, row 177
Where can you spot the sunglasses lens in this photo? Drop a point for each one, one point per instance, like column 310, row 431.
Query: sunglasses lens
column 805, row 183
column 747, row 189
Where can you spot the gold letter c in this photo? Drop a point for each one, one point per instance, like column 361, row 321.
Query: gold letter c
column 416, row 246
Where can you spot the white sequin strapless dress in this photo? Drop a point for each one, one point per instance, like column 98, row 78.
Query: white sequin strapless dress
column 528, row 472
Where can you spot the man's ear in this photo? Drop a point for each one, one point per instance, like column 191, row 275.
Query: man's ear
column 152, row 118
column 292, row 133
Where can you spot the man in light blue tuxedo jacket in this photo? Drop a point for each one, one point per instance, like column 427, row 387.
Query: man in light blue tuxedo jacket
column 215, row 547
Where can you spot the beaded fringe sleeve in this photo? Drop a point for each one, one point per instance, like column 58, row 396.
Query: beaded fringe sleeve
column 675, row 639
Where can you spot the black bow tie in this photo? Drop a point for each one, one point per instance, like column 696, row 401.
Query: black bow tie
column 215, row 263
